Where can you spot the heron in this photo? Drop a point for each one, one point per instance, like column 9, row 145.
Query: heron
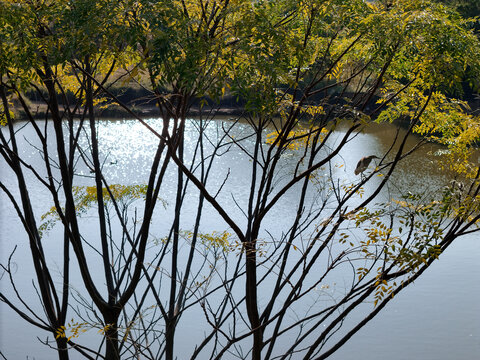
column 363, row 163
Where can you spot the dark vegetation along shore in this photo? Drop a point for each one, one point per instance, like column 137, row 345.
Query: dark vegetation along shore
column 138, row 100
column 142, row 103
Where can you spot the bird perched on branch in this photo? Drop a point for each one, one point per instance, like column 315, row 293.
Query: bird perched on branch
column 363, row 163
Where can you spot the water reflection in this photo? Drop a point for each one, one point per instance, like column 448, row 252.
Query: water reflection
column 440, row 301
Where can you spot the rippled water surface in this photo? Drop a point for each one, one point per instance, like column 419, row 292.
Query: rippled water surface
column 438, row 317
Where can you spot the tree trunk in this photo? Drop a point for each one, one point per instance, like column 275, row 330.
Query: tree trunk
column 62, row 348
column 169, row 339
column 111, row 337
column 251, row 299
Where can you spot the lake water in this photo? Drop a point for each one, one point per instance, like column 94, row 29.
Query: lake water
column 438, row 317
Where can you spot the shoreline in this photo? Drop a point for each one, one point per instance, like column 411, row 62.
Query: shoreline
column 39, row 111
